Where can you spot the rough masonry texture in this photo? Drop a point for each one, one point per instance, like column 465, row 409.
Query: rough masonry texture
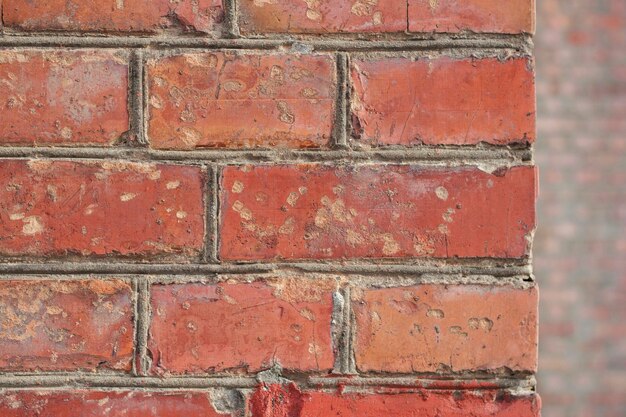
column 267, row 208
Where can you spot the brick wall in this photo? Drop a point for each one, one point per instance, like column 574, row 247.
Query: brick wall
column 267, row 208
column 580, row 250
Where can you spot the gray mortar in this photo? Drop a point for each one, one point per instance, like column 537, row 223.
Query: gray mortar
column 346, row 43
column 445, row 155
column 227, row 401
column 341, row 104
column 492, row 267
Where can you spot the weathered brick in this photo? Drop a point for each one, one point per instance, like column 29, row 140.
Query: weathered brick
column 63, row 97
column 321, row 212
column 50, row 325
column 216, row 99
column 84, row 403
column 51, row 207
column 287, row 400
column 430, row 328
column 244, row 327
column 113, row 16
column 321, row 17
column 492, row 16
column 400, row 101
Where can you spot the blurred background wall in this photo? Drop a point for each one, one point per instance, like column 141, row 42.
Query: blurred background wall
column 580, row 246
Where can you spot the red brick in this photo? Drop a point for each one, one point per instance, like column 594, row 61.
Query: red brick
column 387, row 211
column 430, row 328
column 63, row 97
column 242, row 327
column 493, row 16
column 83, row 403
column 100, row 208
column 322, row 17
column 51, row 325
column 288, row 401
column 201, row 100
column 113, row 16
column 400, row 101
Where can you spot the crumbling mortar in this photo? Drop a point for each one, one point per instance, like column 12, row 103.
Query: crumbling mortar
column 363, row 384
column 142, row 325
column 522, row 44
column 231, row 20
column 341, row 106
column 444, row 155
column 489, row 267
column 136, row 99
column 355, row 280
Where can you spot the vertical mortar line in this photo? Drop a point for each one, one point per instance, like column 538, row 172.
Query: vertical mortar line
column 340, row 140
column 135, row 285
column 136, row 100
column 349, row 365
column 212, row 208
column 342, row 331
column 231, row 22
column 143, row 325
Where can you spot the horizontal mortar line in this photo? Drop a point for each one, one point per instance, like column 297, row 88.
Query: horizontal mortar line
column 439, row 382
column 503, row 270
column 452, row 155
column 39, row 381
column 521, row 43
column 50, row 381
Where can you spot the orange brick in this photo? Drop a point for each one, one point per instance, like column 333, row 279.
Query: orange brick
column 492, row 16
column 399, row 101
column 236, row 100
column 63, row 97
column 51, row 208
column 431, row 328
column 385, row 211
column 113, row 16
column 48, row 325
column 321, row 17
column 245, row 327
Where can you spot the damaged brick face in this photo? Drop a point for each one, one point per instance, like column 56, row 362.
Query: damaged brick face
column 232, row 100
column 430, row 328
column 325, row 212
column 242, row 327
column 103, row 403
column 288, row 401
column 398, row 101
column 112, row 16
column 47, row 325
column 52, row 208
column 63, row 97
column 267, row 208
column 380, row 16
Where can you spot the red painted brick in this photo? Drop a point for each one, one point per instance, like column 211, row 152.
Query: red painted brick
column 63, row 97
column 321, row 17
column 288, row 401
column 83, row 403
column 324, row 212
column 65, row 325
column 100, row 208
column 399, row 101
column 201, row 100
column 242, row 327
column 493, row 16
column 113, row 16
column 430, row 328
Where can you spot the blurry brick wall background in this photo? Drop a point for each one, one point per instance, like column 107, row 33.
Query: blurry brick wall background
column 580, row 247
